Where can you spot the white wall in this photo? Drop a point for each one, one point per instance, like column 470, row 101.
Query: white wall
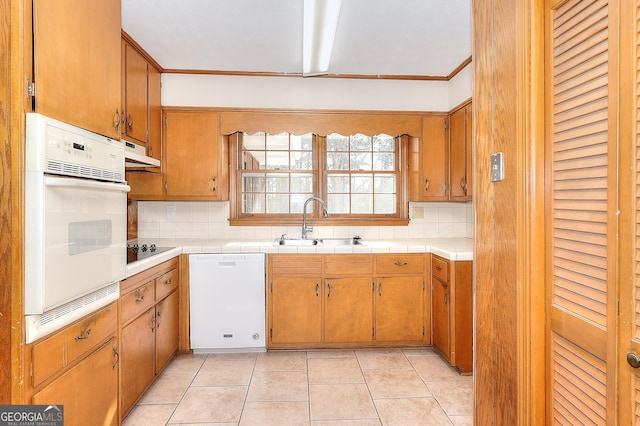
column 210, row 220
column 315, row 93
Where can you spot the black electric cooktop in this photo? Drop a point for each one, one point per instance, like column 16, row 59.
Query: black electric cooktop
column 137, row 252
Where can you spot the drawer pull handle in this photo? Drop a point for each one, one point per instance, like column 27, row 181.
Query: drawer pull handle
column 379, row 289
column 426, row 185
column 84, row 335
column 140, row 295
column 169, row 281
column 317, row 288
column 438, row 268
column 159, row 320
column 400, row 263
column 329, row 292
column 116, row 357
column 153, row 324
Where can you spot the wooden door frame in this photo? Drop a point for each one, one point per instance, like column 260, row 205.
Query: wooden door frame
column 508, row 116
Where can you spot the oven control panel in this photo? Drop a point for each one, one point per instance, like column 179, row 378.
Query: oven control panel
column 59, row 148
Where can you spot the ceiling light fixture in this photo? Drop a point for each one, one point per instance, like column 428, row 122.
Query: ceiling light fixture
column 319, row 27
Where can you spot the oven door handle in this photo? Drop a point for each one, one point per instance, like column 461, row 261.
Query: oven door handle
column 85, row 183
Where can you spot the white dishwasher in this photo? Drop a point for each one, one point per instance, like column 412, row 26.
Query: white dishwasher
column 227, row 302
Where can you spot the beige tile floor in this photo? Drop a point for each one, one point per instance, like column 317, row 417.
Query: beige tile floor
column 317, row 388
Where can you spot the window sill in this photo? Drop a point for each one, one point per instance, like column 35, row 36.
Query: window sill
column 255, row 221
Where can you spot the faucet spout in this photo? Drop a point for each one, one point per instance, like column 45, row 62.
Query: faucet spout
column 325, row 213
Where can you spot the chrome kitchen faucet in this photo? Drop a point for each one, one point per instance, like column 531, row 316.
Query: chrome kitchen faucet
column 309, row 228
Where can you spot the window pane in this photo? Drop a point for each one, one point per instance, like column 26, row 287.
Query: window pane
column 278, row 142
column 301, row 183
column 302, row 142
column 277, row 203
column 277, row 183
column 253, row 182
column 253, row 203
column 301, row 160
column 362, row 183
column 362, row 203
column 360, row 142
column 297, row 202
column 337, row 183
column 277, row 160
column 385, row 184
column 336, row 142
column 384, row 143
column 361, row 161
column 385, row 203
column 253, row 142
column 383, row 161
column 338, row 203
column 337, row 161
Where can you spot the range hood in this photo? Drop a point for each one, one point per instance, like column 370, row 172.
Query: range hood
column 136, row 156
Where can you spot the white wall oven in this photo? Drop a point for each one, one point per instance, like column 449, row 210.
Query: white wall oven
column 75, row 223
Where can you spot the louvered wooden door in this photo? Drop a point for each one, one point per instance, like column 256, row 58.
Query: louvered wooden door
column 629, row 325
column 581, row 204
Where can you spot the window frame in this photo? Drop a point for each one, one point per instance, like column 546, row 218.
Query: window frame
column 237, row 218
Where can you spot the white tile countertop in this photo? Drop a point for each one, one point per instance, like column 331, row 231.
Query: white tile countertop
column 449, row 248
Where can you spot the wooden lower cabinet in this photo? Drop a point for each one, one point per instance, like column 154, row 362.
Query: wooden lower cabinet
column 77, row 366
column 399, row 309
column 452, row 304
column 149, row 335
column 296, row 310
column 137, row 364
column 348, row 310
column 87, row 390
column 348, row 300
column 166, row 331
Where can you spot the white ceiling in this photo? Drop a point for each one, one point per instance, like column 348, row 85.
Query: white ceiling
column 374, row 37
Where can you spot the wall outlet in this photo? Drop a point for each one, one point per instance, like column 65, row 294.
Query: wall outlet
column 171, row 212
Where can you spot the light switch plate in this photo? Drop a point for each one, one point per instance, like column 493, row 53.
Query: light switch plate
column 497, row 167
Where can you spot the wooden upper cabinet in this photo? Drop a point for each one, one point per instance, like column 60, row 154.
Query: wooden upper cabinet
column 154, row 138
column 428, row 161
column 460, row 154
column 142, row 116
column 77, row 63
column 194, row 160
column 135, row 100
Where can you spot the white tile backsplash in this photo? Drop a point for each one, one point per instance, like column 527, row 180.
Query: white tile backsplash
column 196, row 219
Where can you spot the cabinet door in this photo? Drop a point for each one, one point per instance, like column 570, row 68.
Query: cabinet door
column 296, row 310
column 458, row 155
column 135, row 122
column 192, row 155
column 154, row 138
column 82, row 89
column 348, row 310
column 137, row 358
column 166, row 330
column 440, row 312
column 89, row 390
column 399, row 309
column 433, row 185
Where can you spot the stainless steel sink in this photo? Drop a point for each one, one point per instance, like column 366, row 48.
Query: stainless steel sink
column 320, row 241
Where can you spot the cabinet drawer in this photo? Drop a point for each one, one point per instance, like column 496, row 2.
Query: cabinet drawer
column 348, row 264
column 87, row 333
column 47, row 358
column 296, row 264
column 166, row 283
column 440, row 268
column 137, row 301
column 400, row 264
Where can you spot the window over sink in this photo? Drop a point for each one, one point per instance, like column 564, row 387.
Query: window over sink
column 360, row 177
